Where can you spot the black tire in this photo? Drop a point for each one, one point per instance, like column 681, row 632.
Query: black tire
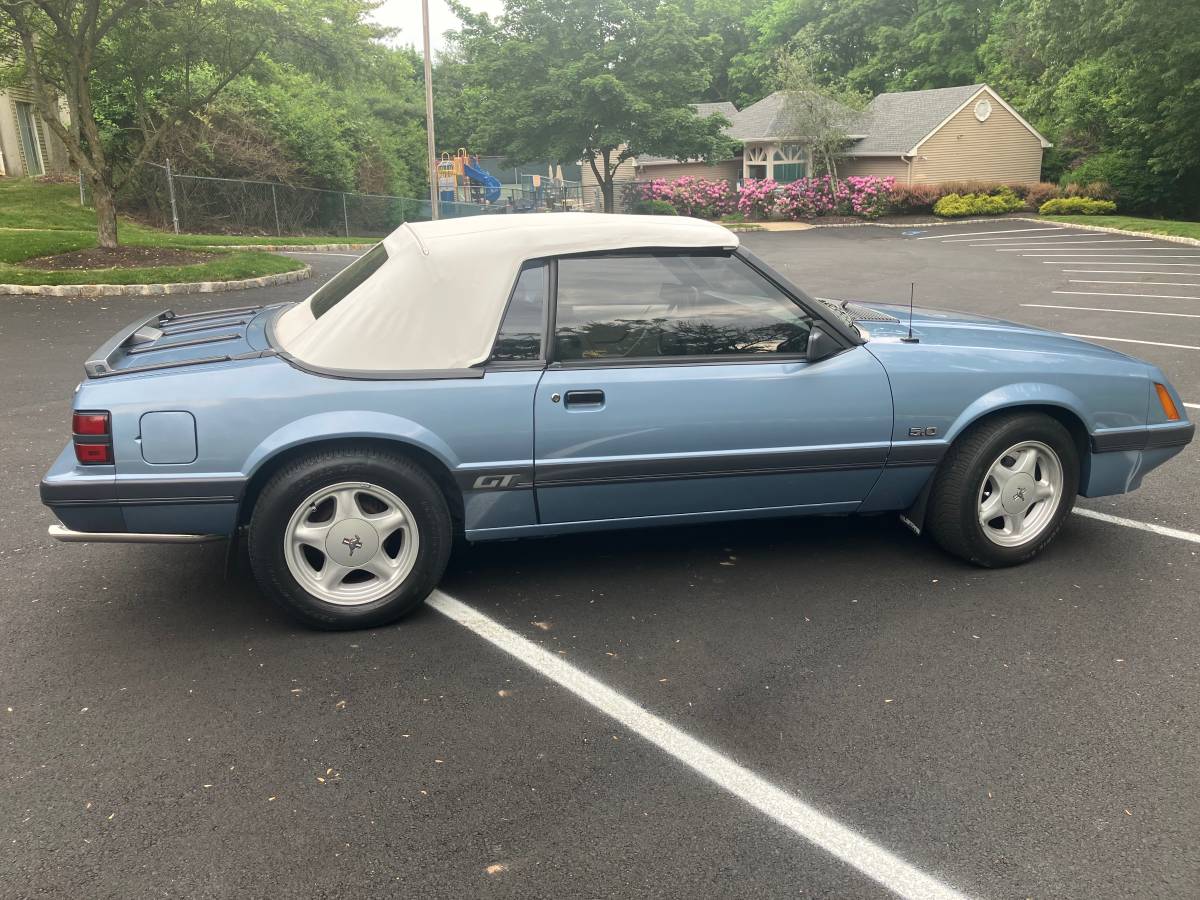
column 298, row 480
column 953, row 514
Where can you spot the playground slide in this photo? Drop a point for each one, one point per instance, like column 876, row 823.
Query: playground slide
column 491, row 185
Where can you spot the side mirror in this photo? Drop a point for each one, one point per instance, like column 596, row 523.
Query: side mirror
column 821, row 345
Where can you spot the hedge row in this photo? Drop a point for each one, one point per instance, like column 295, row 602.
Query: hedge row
column 865, row 197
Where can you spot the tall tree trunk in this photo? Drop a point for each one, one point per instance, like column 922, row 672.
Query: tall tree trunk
column 606, row 186
column 606, row 189
column 106, row 214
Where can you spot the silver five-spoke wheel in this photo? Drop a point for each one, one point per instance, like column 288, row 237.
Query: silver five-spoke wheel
column 351, row 543
column 1020, row 494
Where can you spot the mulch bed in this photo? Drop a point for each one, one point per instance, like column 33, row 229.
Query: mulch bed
column 918, row 219
column 121, row 257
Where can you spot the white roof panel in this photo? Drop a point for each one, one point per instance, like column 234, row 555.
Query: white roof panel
column 437, row 301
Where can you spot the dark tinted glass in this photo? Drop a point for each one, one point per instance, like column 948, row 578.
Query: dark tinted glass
column 664, row 305
column 520, row 334
column 339, row 287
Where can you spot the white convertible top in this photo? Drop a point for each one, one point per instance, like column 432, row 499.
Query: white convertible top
column 437, row 301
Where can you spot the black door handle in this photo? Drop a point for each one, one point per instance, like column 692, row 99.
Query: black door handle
column 585, row 398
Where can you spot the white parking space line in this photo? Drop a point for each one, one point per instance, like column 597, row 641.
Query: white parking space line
column 1100, row 337
column 1059, row 262
column 1177, row 533
column 1040, row 237
column 1104, row 294
column 827, row 833
column 1059, row 246
column 1137, row 255
column 1151, row 283
column 1134, row 312
column 1131, row 272
column 956, row 234
column 1192, row 405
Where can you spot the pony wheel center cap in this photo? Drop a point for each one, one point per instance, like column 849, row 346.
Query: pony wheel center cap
column 352, row 542
column 1019, row 494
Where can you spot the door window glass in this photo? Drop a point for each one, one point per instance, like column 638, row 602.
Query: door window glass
column 647, row 306
column 520, row 336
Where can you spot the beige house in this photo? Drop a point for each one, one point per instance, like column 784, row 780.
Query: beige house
column 918, row 137
column 27, row 147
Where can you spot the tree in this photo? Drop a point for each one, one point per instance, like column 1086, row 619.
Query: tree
column 595, row 80
column 161, row 60
column 822, row 116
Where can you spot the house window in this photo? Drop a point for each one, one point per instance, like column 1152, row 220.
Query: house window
column 27, row 130
column 785, row 173
column 756, row 171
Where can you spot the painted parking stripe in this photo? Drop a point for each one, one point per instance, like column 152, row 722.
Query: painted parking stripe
column 1192, row 405
column 1107, row 294
column 954, row 234
column 1099, row 337
column 1059, row 246
column 1040, row 237
column 827, row 833
column 1159, row 283
column 1147, row 262
column 1177, row 533
column 1135, row 312
column 1130, row 272
column 1137, row 255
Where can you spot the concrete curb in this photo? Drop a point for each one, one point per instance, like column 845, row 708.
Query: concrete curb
column 290, row 248
column 153, row 290
column 1175, row 239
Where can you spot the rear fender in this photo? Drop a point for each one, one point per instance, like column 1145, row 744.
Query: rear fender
column 348, row 425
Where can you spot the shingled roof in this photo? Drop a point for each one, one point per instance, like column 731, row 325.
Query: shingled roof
column 895, row 123
column 770, row 118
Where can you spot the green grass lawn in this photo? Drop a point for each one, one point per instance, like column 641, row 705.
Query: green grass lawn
column 225, row 266
column 42, row 219
column 1132, row 223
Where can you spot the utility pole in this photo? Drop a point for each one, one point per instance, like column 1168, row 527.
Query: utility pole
column 431, row 146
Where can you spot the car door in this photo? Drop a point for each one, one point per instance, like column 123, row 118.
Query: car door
column 679, row 387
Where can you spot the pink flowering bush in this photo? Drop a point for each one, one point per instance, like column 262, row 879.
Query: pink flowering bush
column 757, row 197
column 692, row 196
column 867, row 196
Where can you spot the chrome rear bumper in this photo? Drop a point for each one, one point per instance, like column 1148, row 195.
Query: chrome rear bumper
column 62, row 533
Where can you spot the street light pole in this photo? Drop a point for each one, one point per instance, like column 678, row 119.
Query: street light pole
column 431, row 151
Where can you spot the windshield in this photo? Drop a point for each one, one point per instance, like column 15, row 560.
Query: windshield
column 344, row 282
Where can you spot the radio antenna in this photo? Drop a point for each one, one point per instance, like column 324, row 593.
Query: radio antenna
column 912, row 289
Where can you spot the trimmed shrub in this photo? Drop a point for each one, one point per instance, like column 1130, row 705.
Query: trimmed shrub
column 912, row 199
column 654, row 208
column 1037, row 194
column 756, row 198
column 994, row 204
column 690, row 196
column 1074, row 206
column 868, row 196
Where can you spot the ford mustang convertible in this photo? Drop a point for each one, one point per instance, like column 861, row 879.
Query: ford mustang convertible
column 503, row 377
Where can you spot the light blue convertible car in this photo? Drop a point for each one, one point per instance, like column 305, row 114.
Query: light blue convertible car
column 504, row 377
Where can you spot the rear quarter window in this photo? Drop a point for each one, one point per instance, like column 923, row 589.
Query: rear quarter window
column 344, row 282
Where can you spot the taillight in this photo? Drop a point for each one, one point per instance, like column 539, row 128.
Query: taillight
column 1168, row 405
column 90, row 423
column 94, row 454
column 93, row 438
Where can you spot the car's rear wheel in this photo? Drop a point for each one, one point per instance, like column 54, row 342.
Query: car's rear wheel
column 1004, row 489
column 350, row 537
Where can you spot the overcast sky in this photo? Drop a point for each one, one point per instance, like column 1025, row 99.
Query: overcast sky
column 406, row 15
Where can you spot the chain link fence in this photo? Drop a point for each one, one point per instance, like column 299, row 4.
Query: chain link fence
column 203, row 204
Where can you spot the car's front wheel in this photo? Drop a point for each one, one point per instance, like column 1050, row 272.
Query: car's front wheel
column 350, row 537
column 1004, row 489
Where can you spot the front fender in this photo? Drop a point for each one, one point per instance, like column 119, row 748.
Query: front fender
column 1011, row 396
column 351, row 423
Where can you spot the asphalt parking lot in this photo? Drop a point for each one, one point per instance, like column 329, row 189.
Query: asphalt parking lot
column 1029, row 732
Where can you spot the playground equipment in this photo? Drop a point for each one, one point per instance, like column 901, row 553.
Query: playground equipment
column 462, row 180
